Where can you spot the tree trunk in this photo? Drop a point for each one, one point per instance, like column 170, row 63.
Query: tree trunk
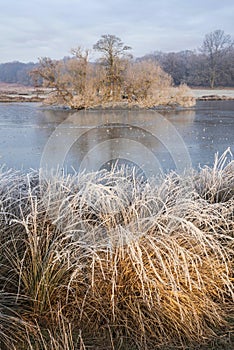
column 212, row 80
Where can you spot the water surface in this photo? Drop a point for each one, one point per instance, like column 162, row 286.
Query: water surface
column 32, row 136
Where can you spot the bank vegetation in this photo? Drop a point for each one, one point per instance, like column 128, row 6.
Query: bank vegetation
column 105, row 261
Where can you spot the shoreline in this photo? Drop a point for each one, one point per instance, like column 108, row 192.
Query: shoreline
column 218, row 94
column 14, row 93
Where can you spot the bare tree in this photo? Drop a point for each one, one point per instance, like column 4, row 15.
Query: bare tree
column 115, row 55
column 52, row 74
column 77, row 69
column 215, row 46
column 78, row 83
column 68, row 78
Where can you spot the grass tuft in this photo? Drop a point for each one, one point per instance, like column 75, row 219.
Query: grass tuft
column 106, row 261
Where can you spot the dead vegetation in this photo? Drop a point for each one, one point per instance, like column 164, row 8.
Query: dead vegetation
column 114, row 78
column 106, row 261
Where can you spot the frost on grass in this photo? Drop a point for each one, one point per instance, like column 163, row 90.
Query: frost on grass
column 107, row 261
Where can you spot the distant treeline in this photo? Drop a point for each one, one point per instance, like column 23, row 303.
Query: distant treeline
column 211, row 65
column 184, row 67
column 17, row 72
column 195, row 69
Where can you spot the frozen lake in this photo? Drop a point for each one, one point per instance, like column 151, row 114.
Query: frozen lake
column 32, row 136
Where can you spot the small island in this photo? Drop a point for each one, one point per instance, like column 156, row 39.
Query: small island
column 115, row 79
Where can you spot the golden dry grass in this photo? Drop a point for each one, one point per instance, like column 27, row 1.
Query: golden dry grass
column 106, row 261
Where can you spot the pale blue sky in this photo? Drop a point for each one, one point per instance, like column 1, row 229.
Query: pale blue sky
column 38, row 28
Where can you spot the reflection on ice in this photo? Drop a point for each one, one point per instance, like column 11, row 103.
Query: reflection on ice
column 31, row 136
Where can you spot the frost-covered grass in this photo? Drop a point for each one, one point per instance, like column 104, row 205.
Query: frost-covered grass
column 106, row 261
column 218, row 92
